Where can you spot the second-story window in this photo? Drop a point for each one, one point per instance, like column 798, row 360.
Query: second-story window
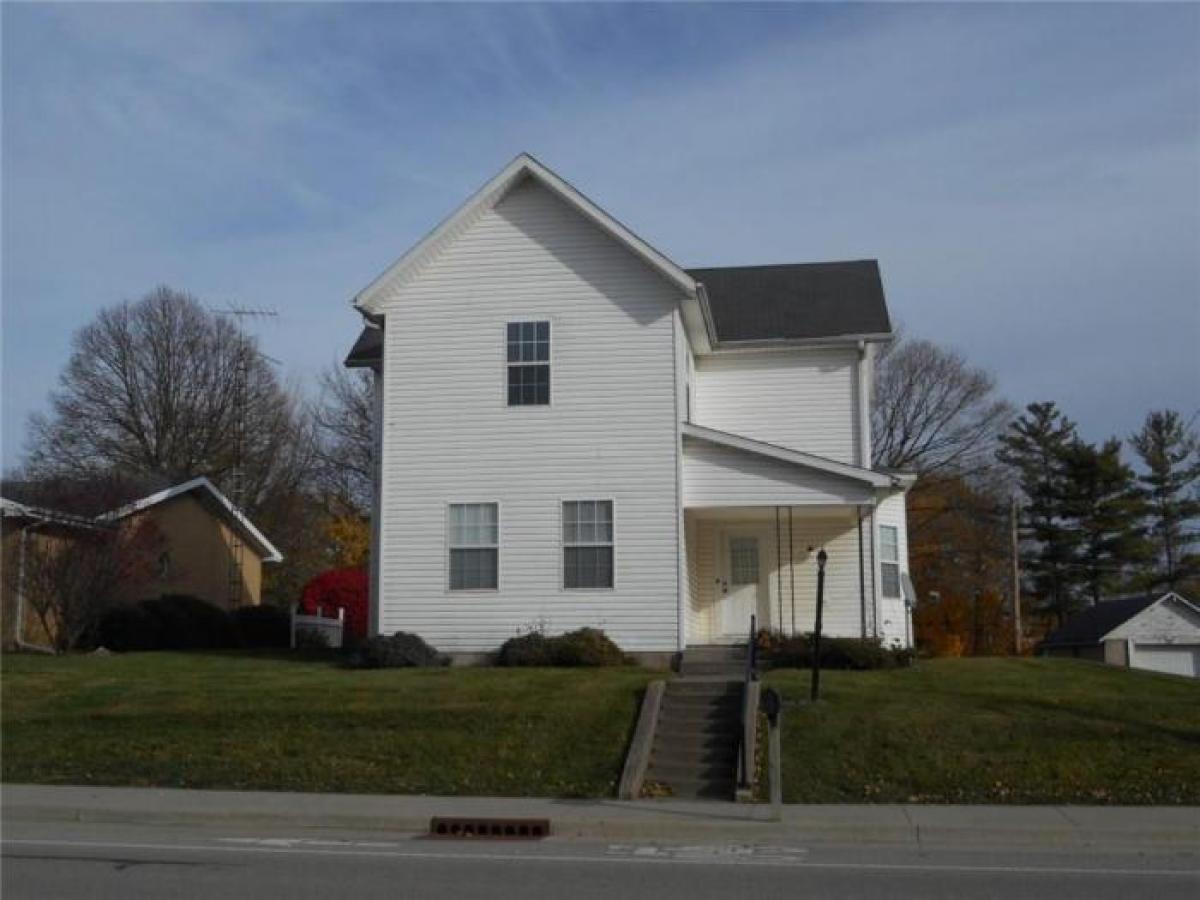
column 528, row 363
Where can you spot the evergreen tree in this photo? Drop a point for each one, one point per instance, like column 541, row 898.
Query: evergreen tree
column 1105, row 511
column 1036, row 446
column 1171, row 456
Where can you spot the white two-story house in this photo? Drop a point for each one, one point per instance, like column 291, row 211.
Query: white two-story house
column 575, row 431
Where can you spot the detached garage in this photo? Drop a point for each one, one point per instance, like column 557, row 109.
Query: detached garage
column 1156, row 633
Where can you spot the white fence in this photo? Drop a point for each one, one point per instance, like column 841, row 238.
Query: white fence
column 333, row 630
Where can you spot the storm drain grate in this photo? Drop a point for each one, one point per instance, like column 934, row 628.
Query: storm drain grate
column 492, row 829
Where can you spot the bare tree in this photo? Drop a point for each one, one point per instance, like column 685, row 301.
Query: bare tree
column 69, row 577
column 933, row 411
column 152, row 389
column 345, row 436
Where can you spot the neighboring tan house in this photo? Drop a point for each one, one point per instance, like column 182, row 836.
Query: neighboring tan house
column 575, row 431
column 209, row 549
column 1160, row 633
column 21, row 525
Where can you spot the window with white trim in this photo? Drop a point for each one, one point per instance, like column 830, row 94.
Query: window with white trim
column 474, row 542
column 889, row 560
column 587, row 543
column 528, row 363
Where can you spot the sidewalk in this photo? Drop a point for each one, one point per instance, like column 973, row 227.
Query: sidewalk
column 1050, row 827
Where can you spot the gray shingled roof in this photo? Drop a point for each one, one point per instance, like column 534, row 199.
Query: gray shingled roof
column 1089, row 626
column 796, row 301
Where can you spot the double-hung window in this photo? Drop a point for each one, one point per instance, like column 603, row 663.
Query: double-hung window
column 528, row 363
column 889, row 560
column 474, row 546
column 587, row 543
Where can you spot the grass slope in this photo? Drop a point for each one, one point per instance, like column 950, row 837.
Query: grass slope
column 980, row 731
column 247, row 722
column 992, row 731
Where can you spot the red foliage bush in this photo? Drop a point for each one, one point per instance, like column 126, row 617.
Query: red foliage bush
column 347, row 589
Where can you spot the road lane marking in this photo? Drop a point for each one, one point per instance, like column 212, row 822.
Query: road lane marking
column 576, row 858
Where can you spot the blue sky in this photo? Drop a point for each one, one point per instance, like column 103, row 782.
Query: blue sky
column 1028, row 176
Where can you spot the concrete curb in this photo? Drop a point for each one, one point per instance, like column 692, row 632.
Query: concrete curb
column 1162, row 829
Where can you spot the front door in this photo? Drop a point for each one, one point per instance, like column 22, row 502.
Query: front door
column 742, row 583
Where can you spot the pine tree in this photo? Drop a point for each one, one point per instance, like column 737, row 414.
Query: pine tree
column 1036, row 447
column 1106, row 512
column 1171, row 456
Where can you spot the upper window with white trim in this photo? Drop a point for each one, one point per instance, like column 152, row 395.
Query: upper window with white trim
column 474, row 541
column 528, row 363
column 587, row 543
column 889, row 560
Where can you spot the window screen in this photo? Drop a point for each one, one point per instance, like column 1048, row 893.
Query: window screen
column 588, row 544
column 889, row 560
column 474, row 542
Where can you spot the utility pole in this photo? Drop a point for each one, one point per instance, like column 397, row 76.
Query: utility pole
column 1015, row 552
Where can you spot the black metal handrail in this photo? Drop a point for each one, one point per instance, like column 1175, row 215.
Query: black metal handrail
column 746, row 750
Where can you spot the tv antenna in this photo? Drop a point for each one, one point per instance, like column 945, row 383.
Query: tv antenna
column 236, row 485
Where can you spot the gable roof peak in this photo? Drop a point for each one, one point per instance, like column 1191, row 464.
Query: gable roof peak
column 369, row 301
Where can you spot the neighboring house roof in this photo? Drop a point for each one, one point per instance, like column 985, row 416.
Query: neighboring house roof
column 218, row 501
column 796, row 302
column 797, row 457
column 11, row 509
column 367, row 350
column 1094, row 624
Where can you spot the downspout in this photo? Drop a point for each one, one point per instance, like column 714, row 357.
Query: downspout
column 862, row 573
column 18, row 638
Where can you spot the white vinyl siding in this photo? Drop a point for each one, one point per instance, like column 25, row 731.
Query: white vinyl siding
column 802, row 399
column 724, row 476
column 609, row 431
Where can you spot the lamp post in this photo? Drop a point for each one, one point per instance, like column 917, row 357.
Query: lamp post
column 822, row 558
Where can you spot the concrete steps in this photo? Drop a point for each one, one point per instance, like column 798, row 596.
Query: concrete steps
column 694, row 753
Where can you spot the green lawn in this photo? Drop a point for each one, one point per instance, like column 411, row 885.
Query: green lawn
column 992, row 731
column 1003, row 731
column 238, row 721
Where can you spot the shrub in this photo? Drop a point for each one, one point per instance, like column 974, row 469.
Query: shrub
column 263, row 626
column 795, row 652
column 398, row 651
column 189, row 623
column 583, row 647
column 128, row 628
column 311, row 639
column 532, row 649
column 170, row 622
column 586, row 647
column 347, row 589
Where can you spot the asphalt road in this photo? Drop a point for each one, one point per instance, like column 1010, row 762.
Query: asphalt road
column 56, row 861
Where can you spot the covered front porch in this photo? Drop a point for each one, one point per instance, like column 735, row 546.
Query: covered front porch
column 761, row 561
column 754, row 518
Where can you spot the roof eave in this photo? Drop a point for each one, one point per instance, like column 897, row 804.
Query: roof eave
column 836, row 340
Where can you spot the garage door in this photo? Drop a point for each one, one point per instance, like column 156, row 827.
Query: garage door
column 1175, row 659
